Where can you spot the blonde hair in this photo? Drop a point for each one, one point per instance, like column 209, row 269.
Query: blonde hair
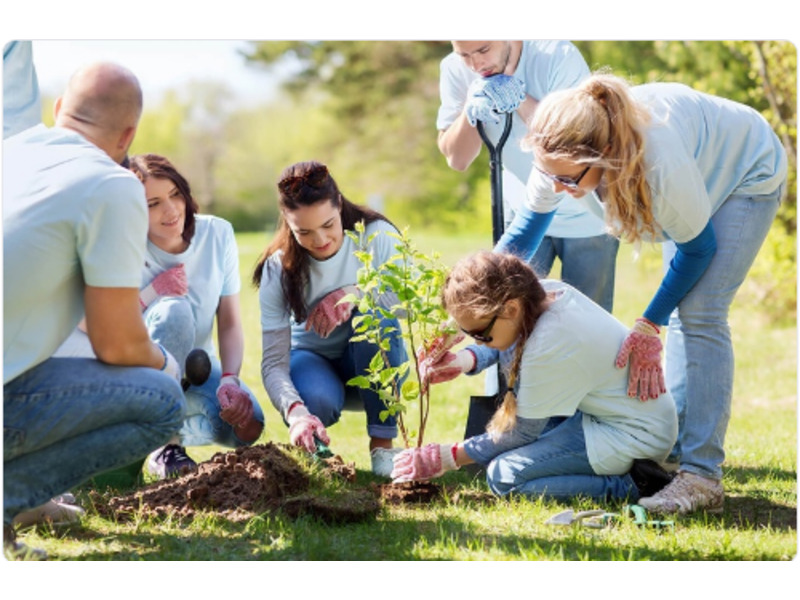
column 599, row 123
column 480, row 285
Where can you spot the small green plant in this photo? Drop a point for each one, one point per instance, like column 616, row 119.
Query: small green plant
column 416, row 280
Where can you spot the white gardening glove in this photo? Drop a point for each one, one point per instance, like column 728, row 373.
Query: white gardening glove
column 237, row 408
column 303, row 426
column 329, row 313
column 171, row 282
column 421, row 464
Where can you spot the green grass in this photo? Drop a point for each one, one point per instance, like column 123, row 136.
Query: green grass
column 759, row 522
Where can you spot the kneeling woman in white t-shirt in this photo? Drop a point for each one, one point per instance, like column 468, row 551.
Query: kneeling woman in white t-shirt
column 302, row 275
column 568, row 429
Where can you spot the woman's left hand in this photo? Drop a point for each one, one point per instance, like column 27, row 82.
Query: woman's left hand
column 330, row 313
column 237, row 408
column 642, row 347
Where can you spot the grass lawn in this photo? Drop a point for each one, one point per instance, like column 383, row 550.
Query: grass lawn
column 759, row 522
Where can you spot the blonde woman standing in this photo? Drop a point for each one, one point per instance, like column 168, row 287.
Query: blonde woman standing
column 704, row 176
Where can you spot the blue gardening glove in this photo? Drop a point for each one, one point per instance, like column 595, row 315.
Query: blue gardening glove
column 505, row 91
column 480, row 108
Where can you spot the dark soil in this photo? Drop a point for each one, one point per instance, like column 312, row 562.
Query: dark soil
column 266, row 478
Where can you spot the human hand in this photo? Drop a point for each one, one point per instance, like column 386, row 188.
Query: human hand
column 480, row 108
column 643, row 347
column 171, row 282
column 421, row 464
column 448, row 367
column 237, row 408
column 441, row 344
column 328, row 314
column 505, row 91
column 303, row 426
column 171, row 366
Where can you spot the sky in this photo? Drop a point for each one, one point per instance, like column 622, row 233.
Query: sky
column 159, row 64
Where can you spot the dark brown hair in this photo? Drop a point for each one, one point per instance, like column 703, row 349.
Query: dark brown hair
column 305, row 184
column 146, row 166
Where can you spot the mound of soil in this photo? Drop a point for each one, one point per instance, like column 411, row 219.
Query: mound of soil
column 241, row 484
column 264, row 478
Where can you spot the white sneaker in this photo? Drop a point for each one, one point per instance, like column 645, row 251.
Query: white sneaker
column 687, row 493
column 383, row 460
column 50, row 512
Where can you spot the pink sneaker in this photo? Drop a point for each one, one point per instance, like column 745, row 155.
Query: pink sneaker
column 685, row 494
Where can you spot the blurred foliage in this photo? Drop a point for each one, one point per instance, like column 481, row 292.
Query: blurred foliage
column 368, row 109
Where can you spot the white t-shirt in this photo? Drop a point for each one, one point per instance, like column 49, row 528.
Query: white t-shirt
column 568, row 365
column 71, row 217
column 212, row 269
column 544, row 66
column 325, row 276
column 699, row 150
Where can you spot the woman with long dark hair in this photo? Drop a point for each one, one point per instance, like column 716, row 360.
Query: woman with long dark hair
column 302, row 276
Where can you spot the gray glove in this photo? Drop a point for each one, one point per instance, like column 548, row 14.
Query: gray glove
column 505, row 91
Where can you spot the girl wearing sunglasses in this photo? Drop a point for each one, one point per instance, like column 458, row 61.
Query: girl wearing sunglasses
column 302, row 275
column 566, row 428
column 704, row 176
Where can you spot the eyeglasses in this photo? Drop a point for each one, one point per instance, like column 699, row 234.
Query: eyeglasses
column 567, row 182
column 482, row 336
column 292, row 185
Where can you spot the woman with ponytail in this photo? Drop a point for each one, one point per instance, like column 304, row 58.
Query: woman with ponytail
column 566, row 428
column 702, row 175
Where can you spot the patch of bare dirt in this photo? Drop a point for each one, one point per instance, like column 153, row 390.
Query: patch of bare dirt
column 267, row 478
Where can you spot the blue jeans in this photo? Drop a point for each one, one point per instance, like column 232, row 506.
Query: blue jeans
column 556, row 466
column 699, row 352
column 170, row 322
column 587, row 264
column 69, row 419
column 320, row 381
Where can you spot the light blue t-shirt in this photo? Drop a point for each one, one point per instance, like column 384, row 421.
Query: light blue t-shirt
column 22, row 107
column 568, row 365
column 699, row 150
column 325, row 276
column 544, row 66
column 71, row 217
column 212, row 269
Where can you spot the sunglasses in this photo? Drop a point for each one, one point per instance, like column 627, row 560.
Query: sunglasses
column 292, row 185
column 482, row 336
column 567, row 182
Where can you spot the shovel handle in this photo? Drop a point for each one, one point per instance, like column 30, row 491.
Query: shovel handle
column 496, row 174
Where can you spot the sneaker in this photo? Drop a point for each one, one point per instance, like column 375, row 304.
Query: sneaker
column 382, row 460
column 50, row 512
column 649, row 477
column 687, row 493
column 14, row 550
column 170, row 461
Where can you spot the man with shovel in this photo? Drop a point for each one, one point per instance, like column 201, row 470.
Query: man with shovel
column 481, row 80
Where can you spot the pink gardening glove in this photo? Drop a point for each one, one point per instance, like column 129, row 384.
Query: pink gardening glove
column 328, row 314
column 440, row 345
column 303, row 426
column 237, row 408
column 643, row 348
column 436, row 356
column 421, row 464
column 448, row 367
column 171, row 282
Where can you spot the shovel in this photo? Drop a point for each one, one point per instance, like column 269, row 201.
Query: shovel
column 482, row 408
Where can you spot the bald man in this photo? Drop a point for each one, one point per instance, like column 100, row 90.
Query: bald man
column 74, row 236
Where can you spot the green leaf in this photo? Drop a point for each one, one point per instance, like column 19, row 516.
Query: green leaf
column 359, row 381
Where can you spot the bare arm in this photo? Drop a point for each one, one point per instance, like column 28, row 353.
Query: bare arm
column 230, row 336
column 460, row 143
column 116, row 329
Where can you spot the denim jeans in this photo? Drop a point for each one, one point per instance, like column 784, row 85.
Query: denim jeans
column 587, row 264
column 699, row 351
column 320, row 381
column 69, row 419
column 170, row 322
column 556, row 466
